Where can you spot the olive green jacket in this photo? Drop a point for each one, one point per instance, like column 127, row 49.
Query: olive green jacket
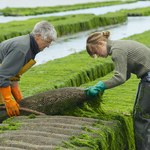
column 128, row 57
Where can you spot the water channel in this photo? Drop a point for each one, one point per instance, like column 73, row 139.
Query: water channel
column 96, row 11
column 75, row 43
column 39, row 3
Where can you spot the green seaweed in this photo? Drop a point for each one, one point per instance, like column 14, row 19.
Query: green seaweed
column 9, row 124
column 113, row 108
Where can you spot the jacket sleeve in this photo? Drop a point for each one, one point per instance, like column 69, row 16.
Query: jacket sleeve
column 10, row 66
column 119, row 57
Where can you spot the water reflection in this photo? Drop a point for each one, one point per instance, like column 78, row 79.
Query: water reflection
column 76, row 43
column 96, row 11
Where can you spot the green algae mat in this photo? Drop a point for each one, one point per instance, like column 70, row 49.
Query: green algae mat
column 103, row 124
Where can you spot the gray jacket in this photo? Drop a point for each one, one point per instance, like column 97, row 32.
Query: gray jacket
column 128, row 57
column 14, row 54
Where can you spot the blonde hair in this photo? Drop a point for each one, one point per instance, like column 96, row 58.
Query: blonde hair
column 94, row 38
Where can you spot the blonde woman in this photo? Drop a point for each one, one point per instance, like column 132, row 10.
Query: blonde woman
column 128, row 57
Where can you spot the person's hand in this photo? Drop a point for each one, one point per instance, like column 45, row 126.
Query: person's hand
column 94, row 90
column 15, row 90
column 11, row 105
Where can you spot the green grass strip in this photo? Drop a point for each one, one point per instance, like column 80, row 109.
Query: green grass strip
column 72, row 70
column 64, row 25
column 43, row 10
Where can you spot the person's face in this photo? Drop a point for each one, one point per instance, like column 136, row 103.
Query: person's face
column 100, row 49
column 42, row 43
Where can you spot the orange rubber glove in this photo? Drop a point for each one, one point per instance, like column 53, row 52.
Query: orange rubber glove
column 11, row 105
column 15, row 90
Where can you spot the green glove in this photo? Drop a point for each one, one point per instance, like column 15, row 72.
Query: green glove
column 94, row 90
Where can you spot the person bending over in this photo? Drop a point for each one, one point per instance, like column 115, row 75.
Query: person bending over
column 17, row 56
column 128, row 57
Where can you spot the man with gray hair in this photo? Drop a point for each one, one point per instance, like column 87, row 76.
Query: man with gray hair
column 17, row 56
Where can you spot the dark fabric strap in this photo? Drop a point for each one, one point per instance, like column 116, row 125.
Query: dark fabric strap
column 146, row 77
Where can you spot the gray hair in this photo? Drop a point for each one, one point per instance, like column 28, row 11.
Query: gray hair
column 45, row 29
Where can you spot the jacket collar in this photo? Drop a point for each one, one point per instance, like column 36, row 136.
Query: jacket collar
column 109, row 45
column 33, row 45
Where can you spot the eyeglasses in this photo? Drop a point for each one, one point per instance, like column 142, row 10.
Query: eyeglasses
column 47, row 42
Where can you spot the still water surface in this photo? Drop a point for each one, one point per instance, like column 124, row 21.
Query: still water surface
column 44, row 3
column 75, row 43
column 96, row 11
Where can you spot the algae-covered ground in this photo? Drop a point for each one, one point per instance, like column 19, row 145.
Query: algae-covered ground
column 117, row 103
column 113, row 109
column 67, row 70
column 111, row 127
